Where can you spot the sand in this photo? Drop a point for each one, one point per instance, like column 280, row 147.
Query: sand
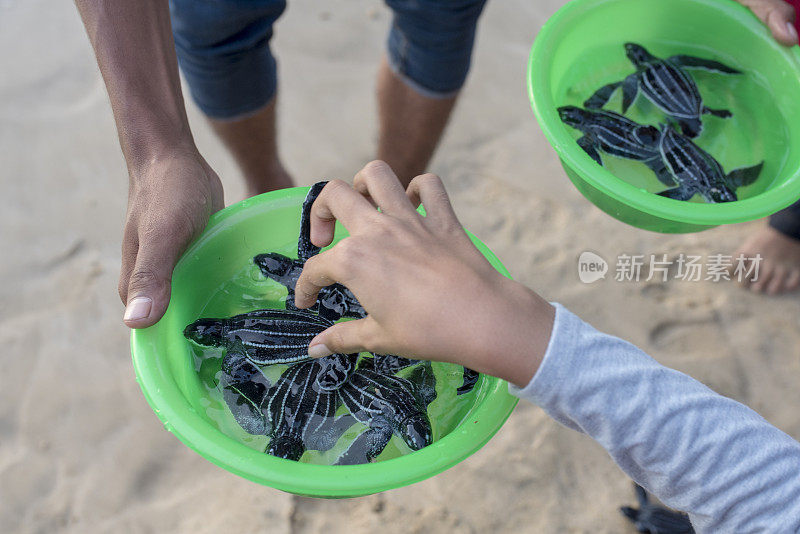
column 80, row 449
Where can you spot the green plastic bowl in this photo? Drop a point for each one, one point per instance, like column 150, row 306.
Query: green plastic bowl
column 580, row 49
column 169, row 379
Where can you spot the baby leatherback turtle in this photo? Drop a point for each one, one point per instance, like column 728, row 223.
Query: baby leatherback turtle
column 654, row 519
column 697, row 172
column 665, row 84
column 388, row 404
column 272, row 337
column 301, row 412
column 616, row 135
column 295, row 413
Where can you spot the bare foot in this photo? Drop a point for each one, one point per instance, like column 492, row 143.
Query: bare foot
column 777, row 15
column 779, row 271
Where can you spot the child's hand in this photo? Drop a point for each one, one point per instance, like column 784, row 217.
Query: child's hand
column 779, row 17
column 429, row 292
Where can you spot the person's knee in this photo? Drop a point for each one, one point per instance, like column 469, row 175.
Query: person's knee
column 229, row 27
column 431, row 41
column 223, row 50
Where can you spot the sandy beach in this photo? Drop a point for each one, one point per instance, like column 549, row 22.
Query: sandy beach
column 80, row 449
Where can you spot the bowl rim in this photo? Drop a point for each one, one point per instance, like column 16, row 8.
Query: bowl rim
column 599, row 177
column 179, row 417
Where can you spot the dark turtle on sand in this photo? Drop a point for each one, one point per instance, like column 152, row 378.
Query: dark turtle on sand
column 388, row 405
column 654, row 519
column 697, row 172
column 616, row 135
column 294, row 412
column 272, row 337
column 665, row 84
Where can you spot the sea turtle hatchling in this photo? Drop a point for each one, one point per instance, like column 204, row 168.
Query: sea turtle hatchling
column 665, row 84
column 273, row 337
column 295, row 413
column 616, row 135
column 388, row 405
column 697, row 172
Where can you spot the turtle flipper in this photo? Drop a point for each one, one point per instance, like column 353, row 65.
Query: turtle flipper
column 677, row 193
column 244, row 388
column 601, row 97
column 721, row 113
column 589, row 147
column 744, row 176
column 326, row 436
column 424, row 381
column 691, row 62
column 369, row 444
column 661, row 171
column 306, row 249
column 691, row 127
column 470, row 379
column 630, row 88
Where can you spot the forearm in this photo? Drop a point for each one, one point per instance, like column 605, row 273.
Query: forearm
column 133, row 42
column 697, row 451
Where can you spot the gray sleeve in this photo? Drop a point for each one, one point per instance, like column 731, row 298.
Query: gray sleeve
column 697, row 451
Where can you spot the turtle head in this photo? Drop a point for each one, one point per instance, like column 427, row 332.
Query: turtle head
column 275, row 266
column 722, row 193
column 286, row 446
column 208, row 332
column 573, row 116
column 637, row 54
column 416, row 431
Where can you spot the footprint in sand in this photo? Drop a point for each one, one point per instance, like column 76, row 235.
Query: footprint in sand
column 703, row 336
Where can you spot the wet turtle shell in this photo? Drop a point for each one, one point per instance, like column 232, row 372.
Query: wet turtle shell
column 697, row 172
column 665, row 84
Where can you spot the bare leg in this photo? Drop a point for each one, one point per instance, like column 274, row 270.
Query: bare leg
column 253, row 143
column 410, row 124
column 779, row 271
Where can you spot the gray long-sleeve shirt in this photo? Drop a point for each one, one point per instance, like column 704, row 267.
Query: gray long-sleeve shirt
column 697, row 451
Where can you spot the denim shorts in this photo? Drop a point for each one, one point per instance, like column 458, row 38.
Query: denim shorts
column 224, row 54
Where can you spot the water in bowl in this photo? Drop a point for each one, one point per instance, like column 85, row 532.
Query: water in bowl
column 248, row 290
column 756, row 132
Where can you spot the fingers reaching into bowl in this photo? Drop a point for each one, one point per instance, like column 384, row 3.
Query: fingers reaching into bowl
column 778, row 15
column 428, row 291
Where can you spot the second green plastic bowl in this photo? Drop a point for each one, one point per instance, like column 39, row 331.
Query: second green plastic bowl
column 721, row 28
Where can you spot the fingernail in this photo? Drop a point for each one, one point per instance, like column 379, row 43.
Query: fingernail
column 138, row 308
column 792, row 31
column 319, row 351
